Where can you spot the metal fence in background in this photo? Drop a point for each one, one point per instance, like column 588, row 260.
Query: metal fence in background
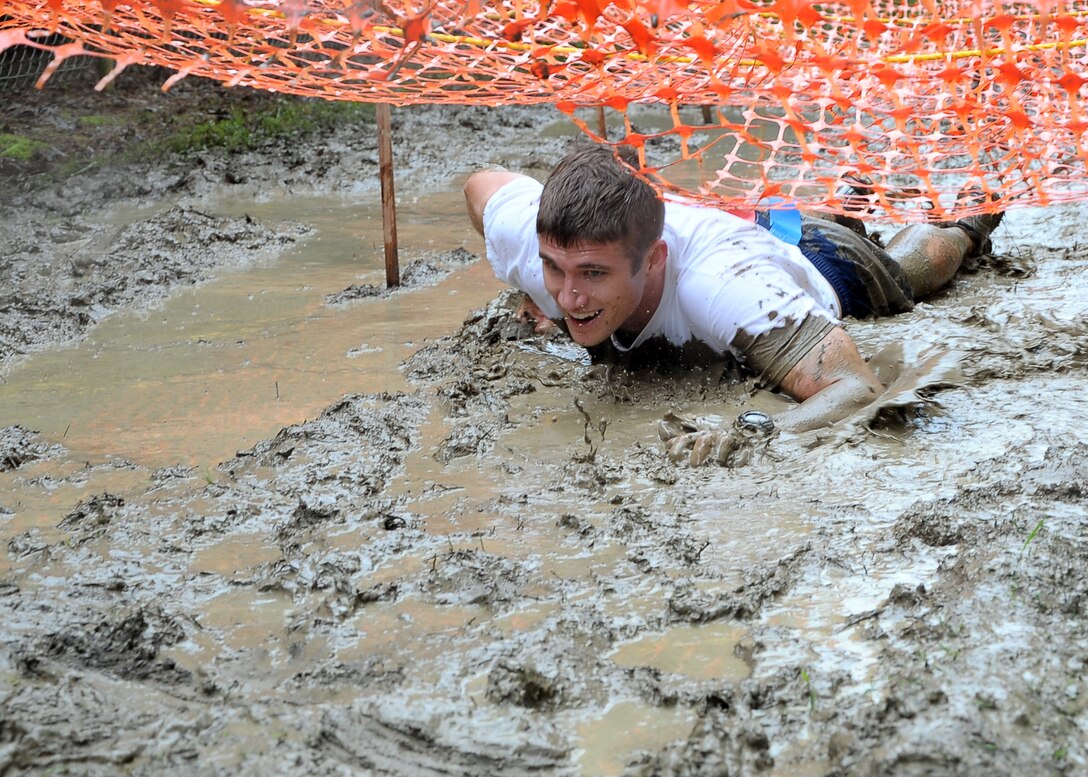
column 21, row 66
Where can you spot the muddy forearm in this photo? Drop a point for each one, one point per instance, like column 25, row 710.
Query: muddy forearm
column 830, row 382
column 828, row 405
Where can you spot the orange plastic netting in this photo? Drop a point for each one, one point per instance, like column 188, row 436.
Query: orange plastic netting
column 922, row 99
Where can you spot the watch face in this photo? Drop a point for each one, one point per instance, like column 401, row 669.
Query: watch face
column 755, row 421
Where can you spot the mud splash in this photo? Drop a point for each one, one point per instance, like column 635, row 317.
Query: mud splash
column 486, row 564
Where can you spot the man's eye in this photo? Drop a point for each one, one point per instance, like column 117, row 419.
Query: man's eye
column 595, row 274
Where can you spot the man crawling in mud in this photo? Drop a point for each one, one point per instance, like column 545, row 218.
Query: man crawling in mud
column 598, row 249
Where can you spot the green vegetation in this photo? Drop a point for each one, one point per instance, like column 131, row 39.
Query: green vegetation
column 808, row 688
column 241, row 129
column 19, row 146
column 124, row 131
column 1031, row 536
column 94, row 120
column 951, row 652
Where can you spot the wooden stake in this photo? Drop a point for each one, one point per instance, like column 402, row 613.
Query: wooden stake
column 389, row 202
column 602, row 125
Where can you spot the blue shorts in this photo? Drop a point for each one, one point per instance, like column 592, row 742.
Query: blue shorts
column 866, row 279
column 840, row 273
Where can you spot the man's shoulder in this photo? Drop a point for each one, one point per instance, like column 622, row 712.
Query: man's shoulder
column 484, row 191
column 522, row 189
column 698, row 232
column 684, row 211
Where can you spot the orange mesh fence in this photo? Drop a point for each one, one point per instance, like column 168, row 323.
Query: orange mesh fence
column 901, row 106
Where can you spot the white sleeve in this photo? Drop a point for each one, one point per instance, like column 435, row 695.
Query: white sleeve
column 749, row 298
column 511, row 242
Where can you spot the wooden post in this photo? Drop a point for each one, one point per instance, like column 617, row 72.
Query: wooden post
column 389, row 202
column 602, row 125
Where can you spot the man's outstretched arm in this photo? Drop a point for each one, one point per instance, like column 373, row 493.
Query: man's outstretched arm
column 478, row 190
column 830, row 382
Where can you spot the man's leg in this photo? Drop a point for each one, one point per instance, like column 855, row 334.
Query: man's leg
column 931, row 254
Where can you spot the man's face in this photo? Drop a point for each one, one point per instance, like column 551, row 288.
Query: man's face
column 594, row 286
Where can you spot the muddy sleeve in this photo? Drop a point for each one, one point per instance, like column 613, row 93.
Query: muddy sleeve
column 510, row 239
column 773, row 354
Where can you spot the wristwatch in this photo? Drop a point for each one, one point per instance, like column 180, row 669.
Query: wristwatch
column 755, row 421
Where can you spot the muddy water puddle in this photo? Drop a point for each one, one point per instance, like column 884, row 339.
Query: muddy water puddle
column 624, row 728
column 229, row 363
column 216, row 368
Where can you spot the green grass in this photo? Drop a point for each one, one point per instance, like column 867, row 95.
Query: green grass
column 242, row 129
column 19, row 146
column 94, row 120
column 97, row 140
column 808, row 688
column 1031, row 536
column 232, row 133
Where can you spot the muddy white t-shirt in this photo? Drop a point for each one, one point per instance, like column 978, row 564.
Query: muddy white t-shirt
column 724, row 275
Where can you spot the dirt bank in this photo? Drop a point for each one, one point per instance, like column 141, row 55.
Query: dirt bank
column 495, row 570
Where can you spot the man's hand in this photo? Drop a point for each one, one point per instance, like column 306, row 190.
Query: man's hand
column 727, row 447
column 530, row 313
column 717, row 445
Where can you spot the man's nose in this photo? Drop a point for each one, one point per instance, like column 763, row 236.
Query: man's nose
column 569, row 296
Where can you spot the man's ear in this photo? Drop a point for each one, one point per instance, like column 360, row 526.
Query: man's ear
column 658, row 254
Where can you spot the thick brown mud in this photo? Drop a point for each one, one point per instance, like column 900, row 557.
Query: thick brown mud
column 411, row 537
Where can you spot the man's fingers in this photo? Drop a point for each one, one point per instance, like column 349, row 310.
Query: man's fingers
column 530, row 313
column 679, row 445
column 718, row 445
column 668, row 430
column 696, row 447
column 701, row 447
column 674, row 425
column 725, row 446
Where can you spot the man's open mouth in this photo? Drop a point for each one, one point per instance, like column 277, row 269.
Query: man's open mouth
column 581, row 319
